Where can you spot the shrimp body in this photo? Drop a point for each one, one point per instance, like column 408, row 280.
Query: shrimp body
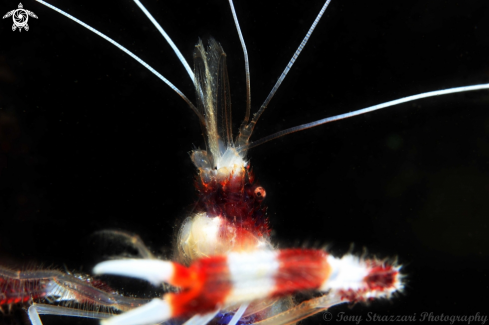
column 233, row 265
column 232, row 216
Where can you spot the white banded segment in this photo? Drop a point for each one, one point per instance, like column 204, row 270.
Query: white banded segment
column 153, row 271
column 347, row 272
column 252, row 275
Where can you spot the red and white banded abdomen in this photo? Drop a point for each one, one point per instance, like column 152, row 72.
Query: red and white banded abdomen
column 216, row 282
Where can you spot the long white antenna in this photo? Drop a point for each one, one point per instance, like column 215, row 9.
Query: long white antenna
column 122, row 48
column 289, row 65
column 247, row 65
column 168, row 39
column 363, row 111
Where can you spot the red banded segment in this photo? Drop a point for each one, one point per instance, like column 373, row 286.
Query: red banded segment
column 300, row 269
column 216, row 281
column 206, row 284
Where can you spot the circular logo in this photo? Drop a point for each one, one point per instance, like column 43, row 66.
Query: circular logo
column 20, row 18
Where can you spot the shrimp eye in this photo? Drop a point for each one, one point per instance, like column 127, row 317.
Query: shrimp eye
column 260, row 193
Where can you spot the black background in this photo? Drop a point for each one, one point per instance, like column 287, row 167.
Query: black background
column 90, row 140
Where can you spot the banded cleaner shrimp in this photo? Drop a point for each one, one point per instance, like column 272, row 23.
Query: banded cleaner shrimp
column 350, row 156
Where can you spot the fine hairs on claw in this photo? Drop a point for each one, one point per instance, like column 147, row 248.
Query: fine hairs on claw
column 91, row 141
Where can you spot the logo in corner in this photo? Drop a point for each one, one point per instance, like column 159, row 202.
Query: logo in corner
column 20, row 17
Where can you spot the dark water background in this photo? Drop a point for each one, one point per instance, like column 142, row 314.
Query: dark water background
column 90, row 140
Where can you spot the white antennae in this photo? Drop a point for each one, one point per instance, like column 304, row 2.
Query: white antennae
column 168, row 39
column 122, row 48
column 289, row 65
column 363, row 111
column 247, row 65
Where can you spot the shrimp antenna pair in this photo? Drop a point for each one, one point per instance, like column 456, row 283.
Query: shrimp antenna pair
column 247, row 126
